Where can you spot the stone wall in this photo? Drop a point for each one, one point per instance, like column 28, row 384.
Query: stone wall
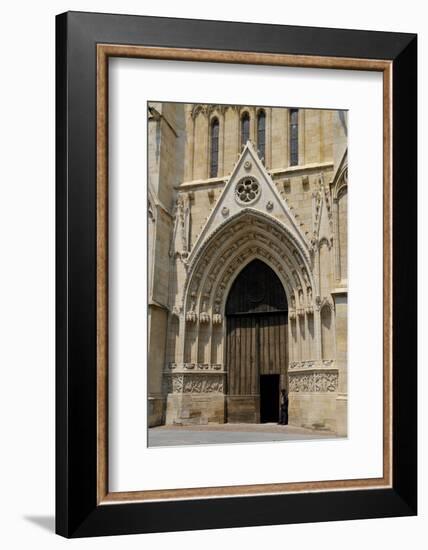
column 308, row 201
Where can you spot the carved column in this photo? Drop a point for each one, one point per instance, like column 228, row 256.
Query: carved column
column 341, row 338
column 299, row 337
column 194, row 343
column 253, row 125
column 317, row 313
column 308, row 354
column 317, row 331
column 336, row 243
column 221, row 145
column 200, row 155
column 181, row 340
column 208, row 147
column 188, row 175
column 291, row 352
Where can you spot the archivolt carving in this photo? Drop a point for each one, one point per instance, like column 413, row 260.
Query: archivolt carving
column 225, row 253
column 244, row 218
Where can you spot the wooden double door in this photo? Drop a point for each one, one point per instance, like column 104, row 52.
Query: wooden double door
column 256, row 345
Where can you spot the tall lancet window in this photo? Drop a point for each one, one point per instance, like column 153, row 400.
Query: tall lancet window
column 294, row 137
column 245, row 129
column 214, row 148
column 261, row 134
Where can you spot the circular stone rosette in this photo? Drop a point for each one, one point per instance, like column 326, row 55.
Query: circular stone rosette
column 247, row 190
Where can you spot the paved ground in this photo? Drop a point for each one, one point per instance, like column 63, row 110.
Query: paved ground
column 168, row 436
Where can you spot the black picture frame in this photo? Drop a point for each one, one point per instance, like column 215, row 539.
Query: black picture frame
column 77, row 512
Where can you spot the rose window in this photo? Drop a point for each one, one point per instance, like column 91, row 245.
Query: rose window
column 247, row 189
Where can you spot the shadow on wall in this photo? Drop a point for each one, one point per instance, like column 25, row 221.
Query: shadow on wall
column 45, row 522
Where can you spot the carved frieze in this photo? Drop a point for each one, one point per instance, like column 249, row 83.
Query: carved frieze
column 196, row 383
column 313, row 382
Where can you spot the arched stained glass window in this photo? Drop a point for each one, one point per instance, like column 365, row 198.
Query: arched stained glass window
column 294, row 137
column 261, row 133
column 245, row 128
column 214, row 148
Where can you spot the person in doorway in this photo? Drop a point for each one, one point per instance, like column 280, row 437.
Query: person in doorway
column 283, row 419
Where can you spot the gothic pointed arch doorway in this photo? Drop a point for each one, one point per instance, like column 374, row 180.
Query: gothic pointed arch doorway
column 256, row 345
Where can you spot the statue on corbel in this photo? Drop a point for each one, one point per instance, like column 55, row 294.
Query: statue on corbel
column 180, row 242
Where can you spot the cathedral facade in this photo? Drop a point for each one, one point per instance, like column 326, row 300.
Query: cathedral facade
column 247, row 264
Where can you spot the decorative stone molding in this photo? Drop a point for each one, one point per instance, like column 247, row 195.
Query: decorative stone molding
column 327, row 241
column 204, row 318
column 217, row 319
column 269, row 206
column 182, row 368
column 321, row 199
column 176, row 384
column 247, row 165
column 191, row 316
column 314, row 382
column 326, row 365
column 195, row 383
column 340, row 180
column 302, row 365
column 247, row 190
column 198, row 384
column 175, row 312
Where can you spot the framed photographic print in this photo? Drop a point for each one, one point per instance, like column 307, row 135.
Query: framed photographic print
column 236, row 251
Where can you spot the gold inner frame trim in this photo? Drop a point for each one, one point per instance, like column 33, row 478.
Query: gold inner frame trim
column 104, row 52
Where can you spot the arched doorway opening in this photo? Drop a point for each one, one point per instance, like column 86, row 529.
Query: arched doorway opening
column 256, row 345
